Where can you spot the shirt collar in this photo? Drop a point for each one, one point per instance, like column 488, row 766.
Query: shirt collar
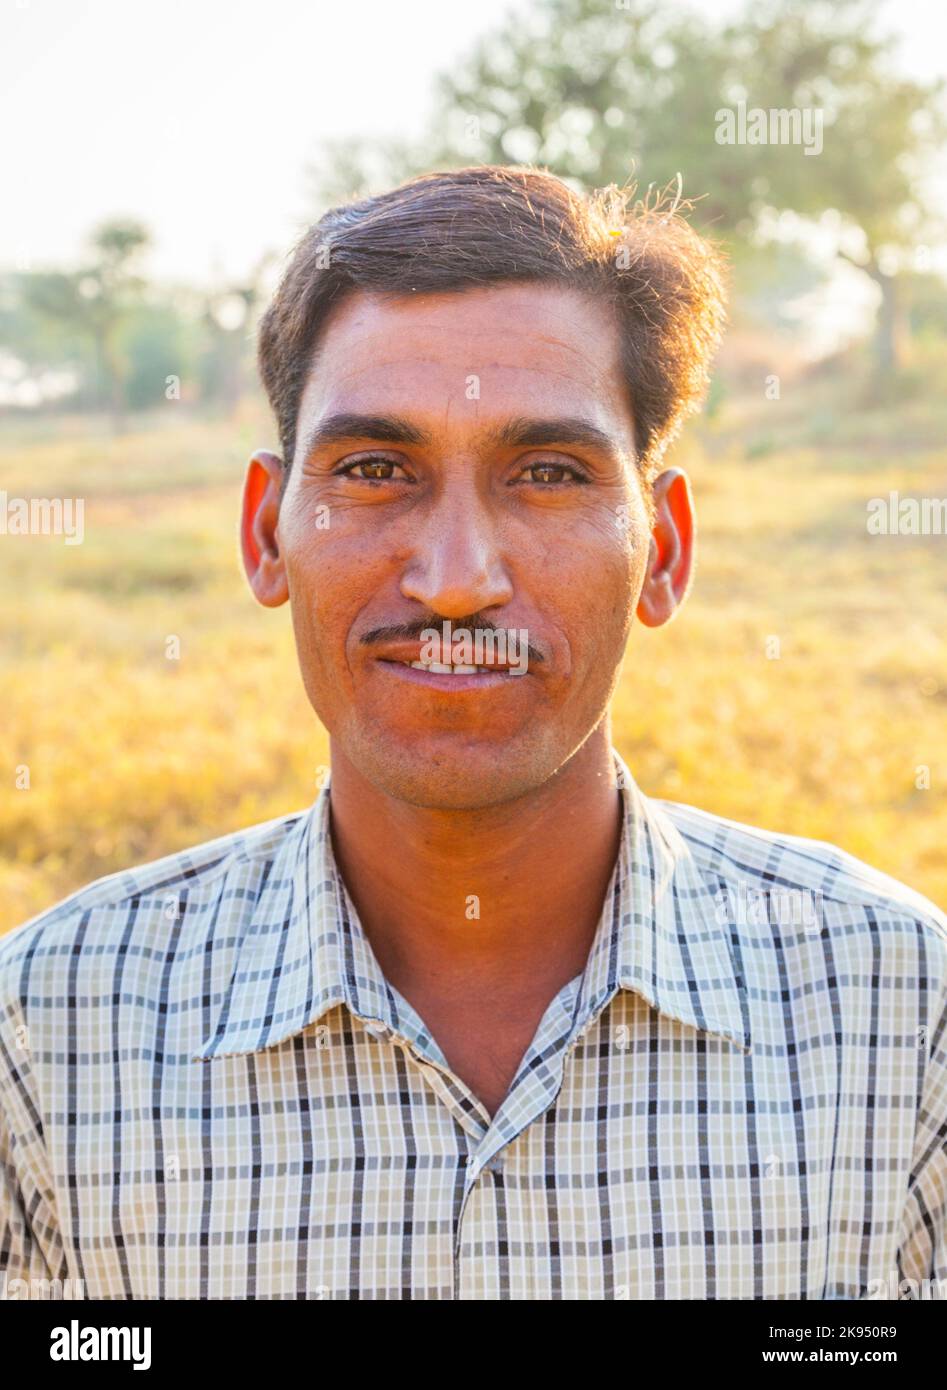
column 305, row 951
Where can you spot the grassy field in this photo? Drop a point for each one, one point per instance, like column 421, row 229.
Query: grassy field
column 132, row 755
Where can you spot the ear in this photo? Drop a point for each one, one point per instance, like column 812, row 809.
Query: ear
column 259, row 540
column 671, row 557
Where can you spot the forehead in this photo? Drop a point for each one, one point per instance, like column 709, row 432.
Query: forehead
column 468, row 356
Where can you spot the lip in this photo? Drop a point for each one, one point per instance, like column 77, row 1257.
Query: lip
column 406, row 649
column 497, row 679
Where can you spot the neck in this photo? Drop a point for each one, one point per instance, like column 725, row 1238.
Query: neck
column 507, row 897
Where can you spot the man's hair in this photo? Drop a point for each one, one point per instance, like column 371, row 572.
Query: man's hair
column 492, row 225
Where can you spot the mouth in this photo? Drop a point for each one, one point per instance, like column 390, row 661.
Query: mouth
column 437, row 675
column 480, row 666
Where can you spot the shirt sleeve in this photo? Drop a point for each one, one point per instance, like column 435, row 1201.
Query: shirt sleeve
column 23, row 1267
column 31, row 1247
column 922, row 1247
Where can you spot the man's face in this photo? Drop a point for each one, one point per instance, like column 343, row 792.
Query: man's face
column 490, row 482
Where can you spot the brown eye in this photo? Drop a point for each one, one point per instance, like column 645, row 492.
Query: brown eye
column 371, row 470
column 550, row 474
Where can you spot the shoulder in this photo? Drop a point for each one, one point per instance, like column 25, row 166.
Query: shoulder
column 142, row 904
column 839, row 891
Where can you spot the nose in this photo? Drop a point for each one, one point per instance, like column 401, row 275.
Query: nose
column 456, row 566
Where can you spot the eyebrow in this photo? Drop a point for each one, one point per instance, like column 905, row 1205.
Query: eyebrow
column 568, row 429
column 521, row 432
column 388, row 429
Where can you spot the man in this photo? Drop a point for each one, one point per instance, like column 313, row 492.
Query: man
column 485, row 1022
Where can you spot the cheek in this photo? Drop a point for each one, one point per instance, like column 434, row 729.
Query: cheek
column 335, row 579
column 614, row 554
column 597, row 580
column 320, row 600
column 638, row 551
column 324, row 565
column 634, row 536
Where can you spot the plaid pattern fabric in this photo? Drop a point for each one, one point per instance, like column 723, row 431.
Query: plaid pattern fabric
column 209, row 1090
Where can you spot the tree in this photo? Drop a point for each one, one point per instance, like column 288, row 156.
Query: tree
column 606, row 93
column 35, row 347
column 227, row 313
column 97, row 299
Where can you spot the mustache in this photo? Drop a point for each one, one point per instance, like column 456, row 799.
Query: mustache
column 414, row 631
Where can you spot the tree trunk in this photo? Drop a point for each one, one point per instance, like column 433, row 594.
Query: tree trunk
column 116, row 392
column 891, row 330
column 890, row 333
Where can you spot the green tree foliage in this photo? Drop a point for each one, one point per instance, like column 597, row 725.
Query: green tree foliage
column 611, row 91
column 96, row 300
column 155, row 344
column 121, row 338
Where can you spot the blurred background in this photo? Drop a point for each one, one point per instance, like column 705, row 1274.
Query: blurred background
column 160, row 161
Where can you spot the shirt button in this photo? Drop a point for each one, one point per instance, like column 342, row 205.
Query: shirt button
column 495, row 1165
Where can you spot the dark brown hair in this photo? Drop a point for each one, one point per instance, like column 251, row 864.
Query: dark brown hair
column 490, row 224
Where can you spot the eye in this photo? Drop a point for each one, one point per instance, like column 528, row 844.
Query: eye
column 551, row 473
column 373, row 468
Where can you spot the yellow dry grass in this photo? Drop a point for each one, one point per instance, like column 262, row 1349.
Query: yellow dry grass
column 132, row 755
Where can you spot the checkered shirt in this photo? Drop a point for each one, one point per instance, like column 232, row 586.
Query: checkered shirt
column 209, row 1090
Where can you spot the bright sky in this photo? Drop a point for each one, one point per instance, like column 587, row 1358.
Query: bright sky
column 200, row 116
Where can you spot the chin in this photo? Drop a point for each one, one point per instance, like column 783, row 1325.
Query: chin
column 452, row 773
